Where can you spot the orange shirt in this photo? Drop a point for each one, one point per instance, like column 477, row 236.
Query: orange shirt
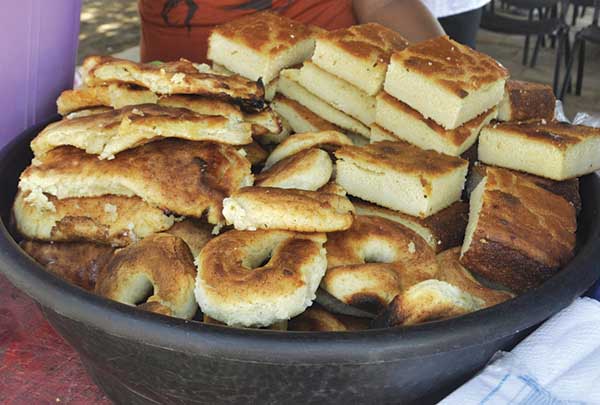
column 179, row 28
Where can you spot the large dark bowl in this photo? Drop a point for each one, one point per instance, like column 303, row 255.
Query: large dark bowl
column 140, row 357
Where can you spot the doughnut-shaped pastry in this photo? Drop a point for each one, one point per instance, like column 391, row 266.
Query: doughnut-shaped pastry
column 108, row 219
column 160, row 265
column 254, row 208
column 235, row 286
column 375, row 260
column 309, row 169
column 329, row 140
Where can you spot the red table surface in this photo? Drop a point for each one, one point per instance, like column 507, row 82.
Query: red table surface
column 36, row 365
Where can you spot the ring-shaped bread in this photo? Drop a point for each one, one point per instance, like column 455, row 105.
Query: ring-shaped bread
column 259, row 278
column 375, row 260
column 161, row 266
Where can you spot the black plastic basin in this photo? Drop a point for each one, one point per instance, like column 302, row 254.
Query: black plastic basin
column 140, row 357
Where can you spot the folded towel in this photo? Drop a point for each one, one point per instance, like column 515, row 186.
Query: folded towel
column 559, row 363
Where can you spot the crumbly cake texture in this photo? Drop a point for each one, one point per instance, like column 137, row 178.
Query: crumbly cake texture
column 519, row 234
column 401, row 176
column 358, row 54
column 260, row 45
column 523, row 101
column 554, row 150
column 409, row 125
column 445, row 81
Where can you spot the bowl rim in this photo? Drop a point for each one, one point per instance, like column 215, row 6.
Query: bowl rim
column 265, row 346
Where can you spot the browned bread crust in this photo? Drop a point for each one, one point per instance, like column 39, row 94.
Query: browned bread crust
column 567, row 189
column 524, row 233
column 183, row 177
column 529, row 101
column 115, row 95
column 318, row 319
column 180, row 77
column 75, row 262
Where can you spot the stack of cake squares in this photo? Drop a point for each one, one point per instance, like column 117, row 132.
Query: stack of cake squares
column 438, row 94
column 340, row 82
column 259, row 46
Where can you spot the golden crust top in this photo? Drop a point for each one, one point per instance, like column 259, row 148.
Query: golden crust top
column 267, row 33
column 557, row 134
column 402, row 157
column 456, row 67
column 370, row 41
column 456, row 136
column 183, row 177
column 300, row 162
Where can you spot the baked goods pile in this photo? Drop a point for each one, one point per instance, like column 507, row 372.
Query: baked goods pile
column 308, row 180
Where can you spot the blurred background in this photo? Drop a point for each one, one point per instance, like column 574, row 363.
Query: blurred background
column 112, row 27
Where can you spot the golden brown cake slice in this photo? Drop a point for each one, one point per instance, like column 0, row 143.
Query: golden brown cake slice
column 260, row 45
column 290, row 87
column 358, row 54
column 115, row 95
column 109, row 219
column 300, row 118
column 554, row 150
column 75, row 262
column 182, row 177
column 338, row 92
column 518, row 234
column 180, row 77
column 441, row 231
column 309, row 169
column 409, row 125
column 523, row 101
column 401, row 176
column 445, row 81
column 253, row 208
column 112, row 132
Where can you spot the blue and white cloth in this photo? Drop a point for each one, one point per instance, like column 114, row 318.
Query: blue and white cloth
column 558, row 364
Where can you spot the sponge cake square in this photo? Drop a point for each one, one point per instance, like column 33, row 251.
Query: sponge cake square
column 524, row 101
column 260, row 45
column 554, row 150
column 300, row 118
column 359, row 54
column 410, row 126
column 401, row 176
column 445, row 81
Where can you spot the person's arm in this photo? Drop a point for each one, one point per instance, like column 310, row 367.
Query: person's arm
column 410, row 18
